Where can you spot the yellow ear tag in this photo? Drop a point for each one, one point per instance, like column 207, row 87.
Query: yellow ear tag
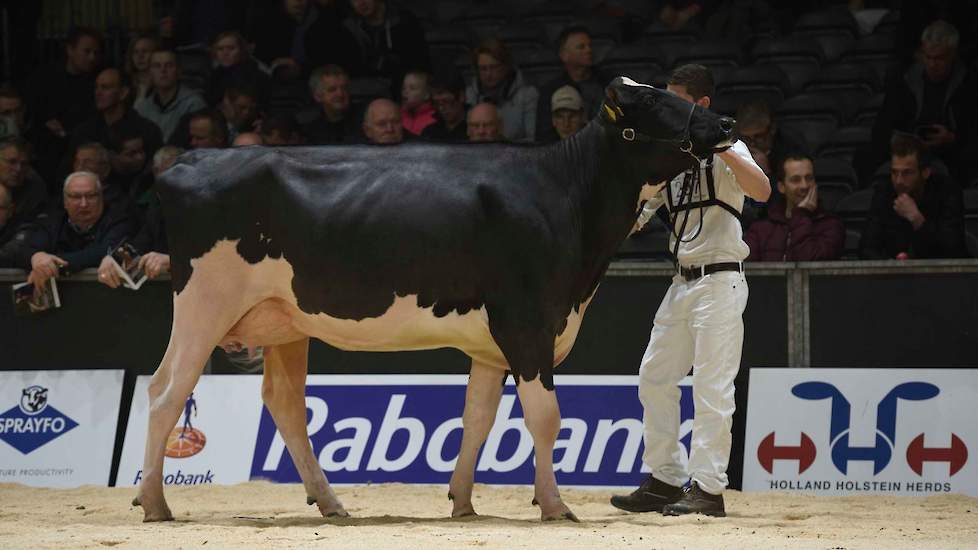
column 620, row 112
column 614, row 117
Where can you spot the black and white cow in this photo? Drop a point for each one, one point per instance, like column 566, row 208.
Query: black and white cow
column 493, row 249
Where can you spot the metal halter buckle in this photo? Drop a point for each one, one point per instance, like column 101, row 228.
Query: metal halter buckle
column 628, row 134
column 686, row 146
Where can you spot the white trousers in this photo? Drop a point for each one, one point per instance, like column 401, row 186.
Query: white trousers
column 698, row 324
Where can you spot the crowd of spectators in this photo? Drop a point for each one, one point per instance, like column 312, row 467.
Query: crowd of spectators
column 85, row 136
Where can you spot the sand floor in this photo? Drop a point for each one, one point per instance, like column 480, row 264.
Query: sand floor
column 411, row 516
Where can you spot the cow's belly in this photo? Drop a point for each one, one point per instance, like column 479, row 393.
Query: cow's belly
column 273, row 316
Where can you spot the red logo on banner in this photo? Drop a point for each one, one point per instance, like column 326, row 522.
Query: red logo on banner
column 955, row 455
column 768, row 452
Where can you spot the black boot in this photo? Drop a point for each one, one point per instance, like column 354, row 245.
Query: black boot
column 650, row 496
column 696, row 501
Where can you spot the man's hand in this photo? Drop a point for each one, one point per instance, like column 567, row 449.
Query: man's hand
column 154, row 264
column 107, row 275
column 56, row 128
column 907, row 209
column 44, row 266
column 938, row 136
column 810, row 202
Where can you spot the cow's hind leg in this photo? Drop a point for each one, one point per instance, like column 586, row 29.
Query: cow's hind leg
column 482, row 396
column 196, row 330
column 284, row 392
column 529, row 349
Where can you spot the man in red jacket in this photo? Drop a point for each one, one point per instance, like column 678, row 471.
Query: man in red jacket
column 796, row 229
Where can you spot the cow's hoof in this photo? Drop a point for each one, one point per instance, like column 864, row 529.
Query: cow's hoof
column 136, row 502
column 466, row 511
column 336, row 514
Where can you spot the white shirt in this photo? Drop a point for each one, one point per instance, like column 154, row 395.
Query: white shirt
column 721, row 238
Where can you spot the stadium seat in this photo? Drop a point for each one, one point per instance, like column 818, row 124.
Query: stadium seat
column 655, row 33
column 718, row 53
column 489, row 14
column 837, row 170
column 846, row 142
column 727, row 102
column 971, row 242
column 868, row 111
column 632, row 58
column 290, row 98
column 797, row 74
column 831, row 192
column 835, row 30
column 522, row 34
column 766, row 81
column 813, row 132
column 844, row 77
column 554, row 11
column 854, row 208
column 446, row 43
column 366, row 89
column 811, row 106
column 850, row 250
column 791, row 49
column 877, row 51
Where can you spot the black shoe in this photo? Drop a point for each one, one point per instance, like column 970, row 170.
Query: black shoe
column 650, row 496
column 696, row 501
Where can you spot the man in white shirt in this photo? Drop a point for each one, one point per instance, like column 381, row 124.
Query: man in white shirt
column 698, row 324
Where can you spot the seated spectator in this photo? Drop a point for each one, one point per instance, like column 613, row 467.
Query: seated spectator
column 328, row 42
column 240, row 108
column 129, row 160
column 796, row 228
column 76, row 237
column 8, row 228
column 388, row 40
column 916, row 212
column 115, row 118
column 144, row 193
column 280, row 37
column 26, row 188
column 95, row 158
column 335, row 123
column 574, row 49
column 280, row 130
column 12, row 121
column 759, row 131
column 567, row 111
column 234, row 68
column 208, row 130
column 247, row 138
column 150, row 241
column 382, row 122
column 417, row 112
column 484, row 123
column 60, row 97
column 935, row 99
column 170, row 101
column 448, row 97
column 499, row 82
column 137, row 65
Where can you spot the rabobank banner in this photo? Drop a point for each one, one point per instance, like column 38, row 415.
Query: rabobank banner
column 213, row 439
column 851, row 431
column 57, row 428
column 404, row 428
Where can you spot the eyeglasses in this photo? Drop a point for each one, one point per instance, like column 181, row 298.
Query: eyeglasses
column 77, row 197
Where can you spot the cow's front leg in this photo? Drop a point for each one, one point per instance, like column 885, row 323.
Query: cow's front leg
column 481, row 401
column 542, row 417
column 284, row 392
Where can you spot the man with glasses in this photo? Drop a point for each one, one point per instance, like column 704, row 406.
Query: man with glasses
column 759, row 131
column 69, row 240
column 448, row 97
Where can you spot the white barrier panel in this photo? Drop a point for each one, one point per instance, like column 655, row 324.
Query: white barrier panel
column 404, row 428
column 213, row 439
column 58, row 427
column 856, row 431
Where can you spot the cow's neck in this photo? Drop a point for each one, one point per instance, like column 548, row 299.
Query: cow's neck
column 606, row 190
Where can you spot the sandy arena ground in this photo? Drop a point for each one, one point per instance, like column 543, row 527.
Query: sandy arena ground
column 403, row 516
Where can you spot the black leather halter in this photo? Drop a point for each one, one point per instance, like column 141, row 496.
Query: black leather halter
column 684, row 142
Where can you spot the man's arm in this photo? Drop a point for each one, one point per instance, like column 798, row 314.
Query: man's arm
column 812, row 240
column 749, row 175
column 941, row 235
column 871, row 243
column 92, row 255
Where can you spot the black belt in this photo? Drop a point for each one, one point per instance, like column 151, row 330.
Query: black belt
column 693, row 272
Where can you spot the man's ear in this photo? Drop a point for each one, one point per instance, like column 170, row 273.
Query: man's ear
column 781, row 187
column 926, row 172
column 704, row 102
column 125, row 93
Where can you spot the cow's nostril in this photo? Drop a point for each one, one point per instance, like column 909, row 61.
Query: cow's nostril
column 727, row 124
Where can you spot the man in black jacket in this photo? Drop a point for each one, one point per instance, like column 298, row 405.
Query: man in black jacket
column 389, row 40
column 916, row 213
column 76, row 237
column 934, row 99
column 8, row 245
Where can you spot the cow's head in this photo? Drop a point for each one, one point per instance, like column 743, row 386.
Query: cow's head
column 665, row 131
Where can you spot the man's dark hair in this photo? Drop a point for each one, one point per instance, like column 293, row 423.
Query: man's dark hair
column 219, row 125
column 697, row 79
column 14, row 141
column 282, row 123
column 566, row 33
column 905, row 145
column 241, row 89
column 77, row 33
column 125, row 80
column 447, row 80
column 792, row 155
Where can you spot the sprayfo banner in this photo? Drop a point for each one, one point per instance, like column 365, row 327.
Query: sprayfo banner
column 377, row 428
column 850, row 431
column 57, row 428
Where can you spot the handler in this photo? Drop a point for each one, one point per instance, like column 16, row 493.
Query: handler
column 698, row 324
